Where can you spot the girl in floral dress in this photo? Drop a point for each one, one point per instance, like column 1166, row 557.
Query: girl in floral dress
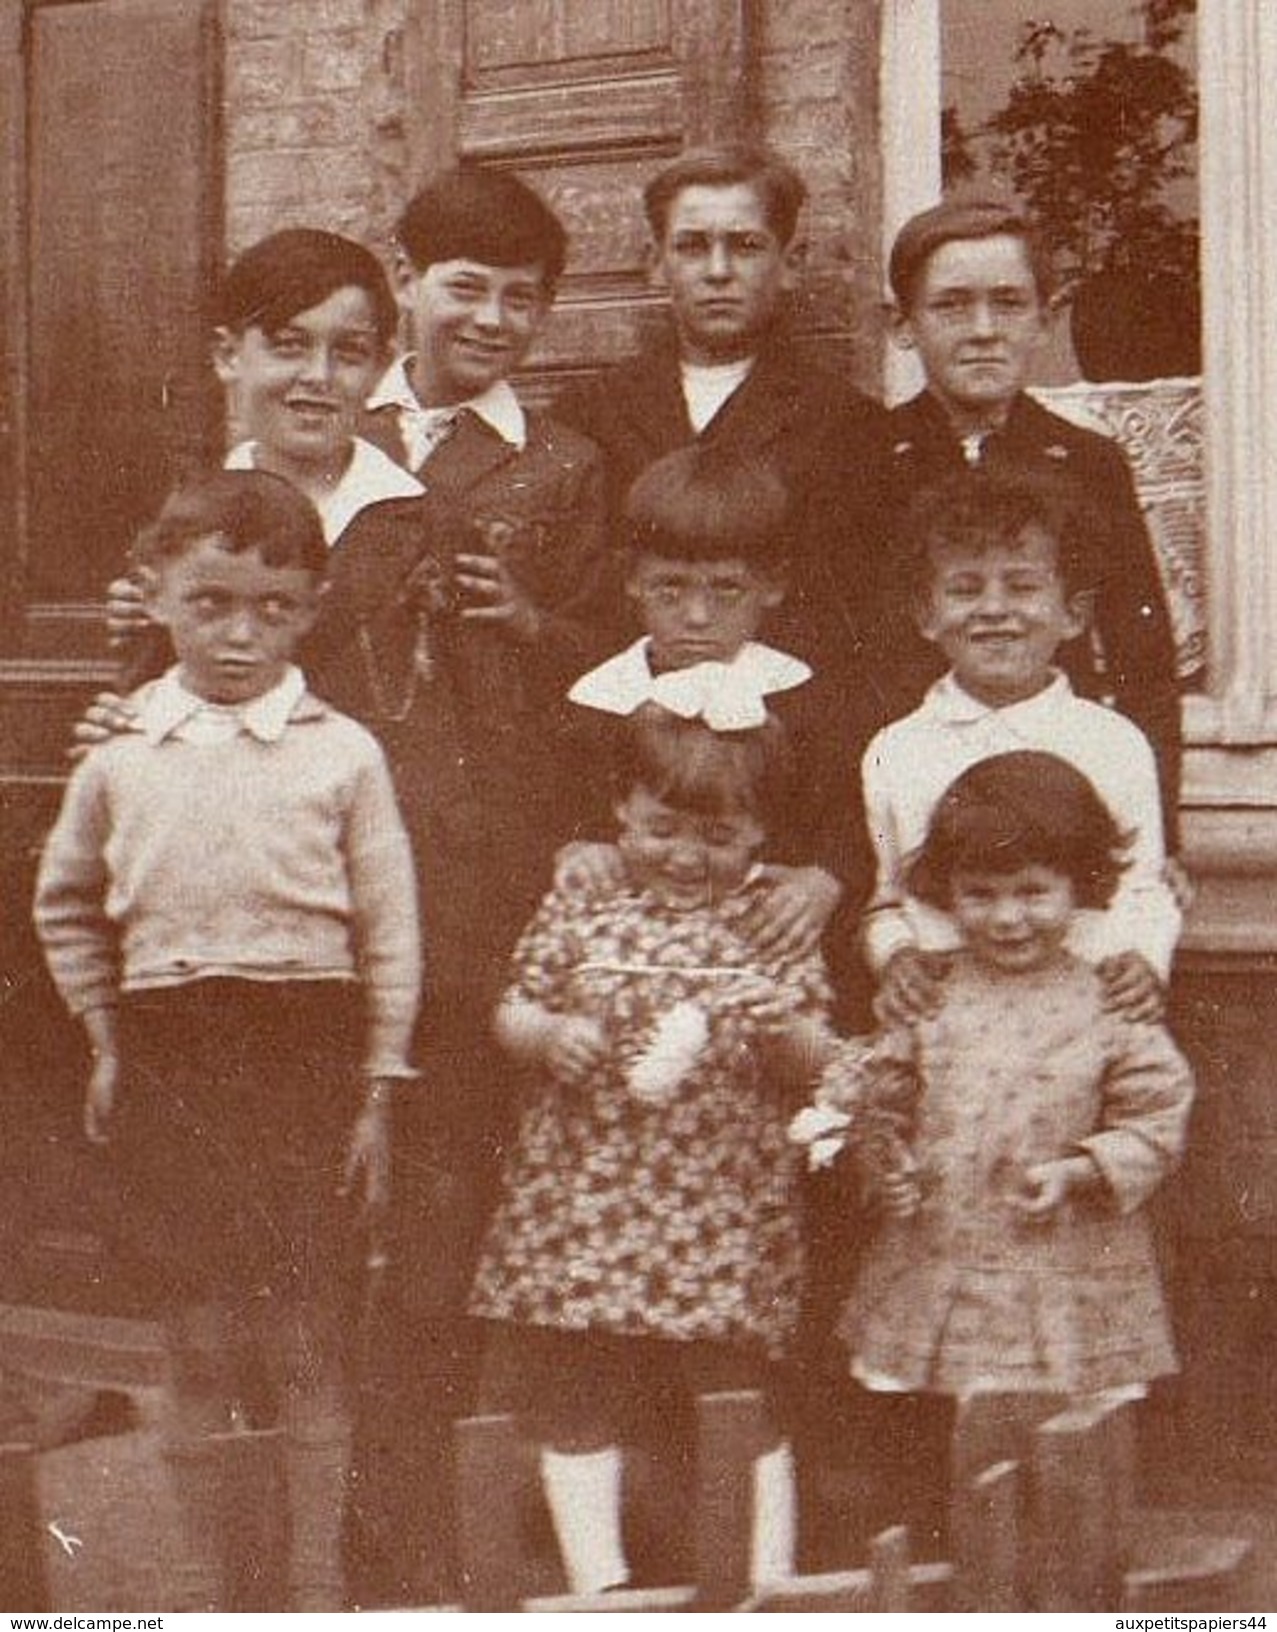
column 648, row 1230
column 1014, row 1138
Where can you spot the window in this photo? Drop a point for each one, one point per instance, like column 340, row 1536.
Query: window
column 1237, row 70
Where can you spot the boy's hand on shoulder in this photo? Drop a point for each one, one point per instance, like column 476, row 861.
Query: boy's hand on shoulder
column 108, row 715
column 789, row 917
column 585, row 868
column 126, row 613
column 1132, row 988
column 911, row 987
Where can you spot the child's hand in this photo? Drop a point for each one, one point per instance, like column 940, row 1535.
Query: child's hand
column 1048, row 1185
column 911, row 987
column 1131, row 987
column 107, row 716
column 588, row 869
column 574, row 1046
column 126, row 613
column 99, row 1097
column 898, row 1194
column 495, row 595
column 367, row 1164
column 750, row 1000
column 790, row 917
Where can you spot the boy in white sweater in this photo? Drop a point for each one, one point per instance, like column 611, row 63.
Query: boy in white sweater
column 1003, row 570
column 227, row 902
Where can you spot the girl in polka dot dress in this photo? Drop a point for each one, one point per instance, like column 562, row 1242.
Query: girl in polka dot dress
column 648, row 1230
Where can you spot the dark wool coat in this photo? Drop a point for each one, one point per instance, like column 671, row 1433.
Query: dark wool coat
column 472, row 718
column 828, row 443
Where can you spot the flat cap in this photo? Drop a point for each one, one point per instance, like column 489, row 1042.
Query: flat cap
column 969, row 212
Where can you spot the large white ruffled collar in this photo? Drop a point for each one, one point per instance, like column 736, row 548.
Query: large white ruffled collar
column 729, row 696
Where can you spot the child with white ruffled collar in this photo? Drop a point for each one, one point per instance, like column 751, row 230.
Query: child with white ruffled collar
column 707, row 547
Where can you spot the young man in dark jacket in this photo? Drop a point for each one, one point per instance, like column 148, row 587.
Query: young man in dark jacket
column 729, row 373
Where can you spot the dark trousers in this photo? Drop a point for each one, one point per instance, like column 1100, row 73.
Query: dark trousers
column 419, row 1352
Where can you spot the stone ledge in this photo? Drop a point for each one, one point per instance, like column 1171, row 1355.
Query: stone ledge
column 97, row 1350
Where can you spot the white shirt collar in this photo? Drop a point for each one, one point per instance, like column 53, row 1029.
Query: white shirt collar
column 167, row 706
column 954, row 706
column 370, row 478
column 727, row 696
column 735, row 371
column 498, row 407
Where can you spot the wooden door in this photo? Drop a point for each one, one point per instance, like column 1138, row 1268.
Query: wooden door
column 109, row 214
column 113, row 206
column 587, row 99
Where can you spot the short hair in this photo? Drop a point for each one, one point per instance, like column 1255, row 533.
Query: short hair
column 490, row 216
column 1025, row 809
column 711, row 773
column 780, row 188
column 702, row 505
column 247, row 511
column 965, row 213
column 976, row 510
column 293, row 270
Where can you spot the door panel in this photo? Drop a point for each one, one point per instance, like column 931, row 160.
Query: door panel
column 120, row 213
column 587, row 98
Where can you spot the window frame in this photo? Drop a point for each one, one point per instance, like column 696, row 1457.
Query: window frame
column 1237, row 80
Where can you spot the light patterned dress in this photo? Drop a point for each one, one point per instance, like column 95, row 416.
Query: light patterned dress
column 968, row 1295
column 676, row 1220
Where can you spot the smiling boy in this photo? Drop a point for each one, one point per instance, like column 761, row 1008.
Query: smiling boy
column 478, row 255
column 1002, row 569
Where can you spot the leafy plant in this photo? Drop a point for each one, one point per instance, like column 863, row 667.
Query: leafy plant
column 1093, row 134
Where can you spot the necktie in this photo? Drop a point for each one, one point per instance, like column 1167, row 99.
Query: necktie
column 424, row 431
column 973, row 448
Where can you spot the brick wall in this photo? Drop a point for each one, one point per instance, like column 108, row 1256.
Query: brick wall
column 316, row 112
column 313, row 116
column 820, row 103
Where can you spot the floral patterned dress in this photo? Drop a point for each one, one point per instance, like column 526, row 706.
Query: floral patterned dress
column 968, row 1295
column 673, row 1217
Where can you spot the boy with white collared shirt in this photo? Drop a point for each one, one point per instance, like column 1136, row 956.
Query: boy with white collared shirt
column 477, row 258
column 458, row 652
column 227, row 903
column 1002, row 574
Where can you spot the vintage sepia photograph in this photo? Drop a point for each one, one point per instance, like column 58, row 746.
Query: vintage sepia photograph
column 638, row 803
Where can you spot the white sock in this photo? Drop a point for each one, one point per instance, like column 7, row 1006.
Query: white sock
column 775, row 1534
column 584, row 1492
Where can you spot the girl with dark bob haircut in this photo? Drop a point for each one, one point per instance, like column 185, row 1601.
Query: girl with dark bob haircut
column 1017, row 810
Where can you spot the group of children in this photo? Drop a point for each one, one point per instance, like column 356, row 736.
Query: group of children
column 607, row 1129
